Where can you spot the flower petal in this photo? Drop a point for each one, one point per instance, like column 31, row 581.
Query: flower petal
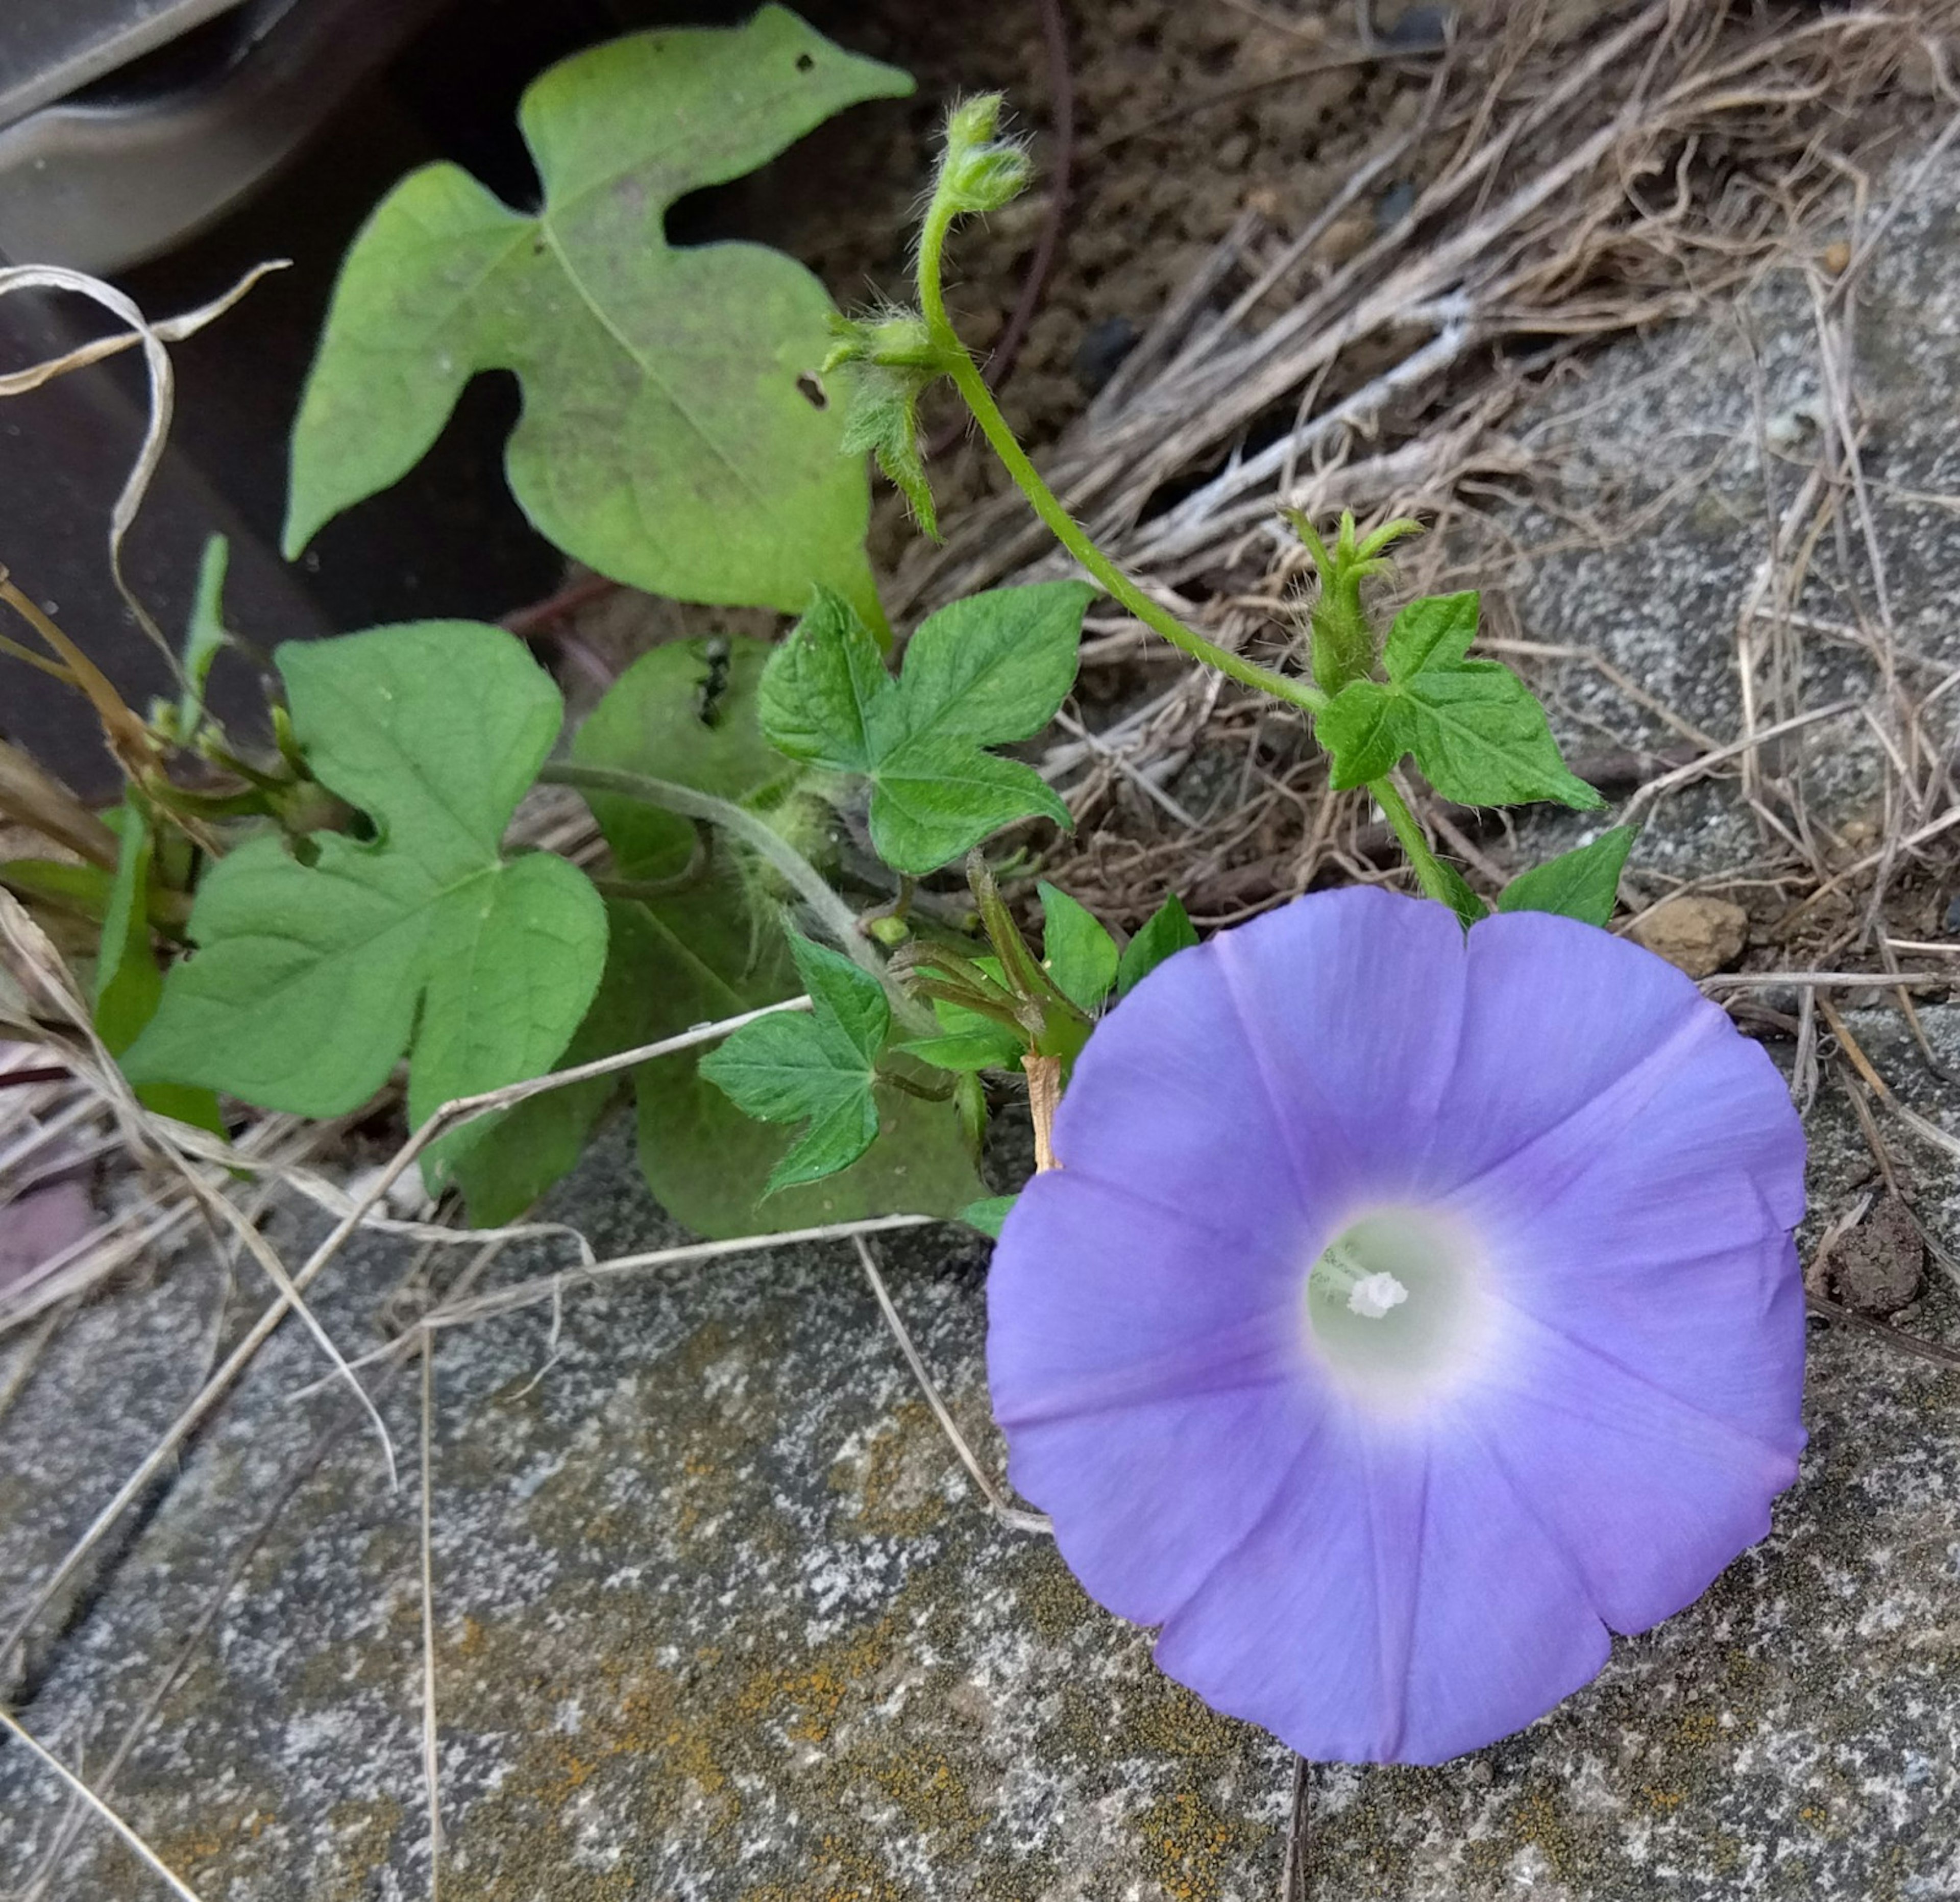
column 1146, row 1371
column 1395, row 1604
column 1652, row 1494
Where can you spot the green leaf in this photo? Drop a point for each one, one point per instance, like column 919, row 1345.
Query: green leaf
column 1436, row 631
column 664, row 438
column 824, row 686
column 818, row 1070
column 1481, row 738
column 969, row 1052
column 1365, row 731
column 1168, row 930
column 709, row 949
column 310, row 980
column 206, row 633
column 1468, row 906
column 1476, row 730
column 989, row 1213
column 1079, row 956
column 85, row 888
column 1583, row 883
column 127, row 984
column 984, row 672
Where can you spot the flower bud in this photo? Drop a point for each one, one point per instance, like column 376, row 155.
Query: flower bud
column 978, row 172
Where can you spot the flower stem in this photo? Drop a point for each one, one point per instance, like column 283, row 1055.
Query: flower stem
column 972, row 386
column 1438, row 880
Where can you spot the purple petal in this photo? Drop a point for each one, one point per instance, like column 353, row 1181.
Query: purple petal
column 1397, row 1603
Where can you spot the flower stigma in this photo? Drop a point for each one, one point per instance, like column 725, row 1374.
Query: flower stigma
column 1394, row 1303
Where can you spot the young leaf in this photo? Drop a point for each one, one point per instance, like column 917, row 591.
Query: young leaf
column 665, row 439
column 708, row 948
column 968, row 1052
column 1168, row 930
column 1079, row 956
column 1365, row 729
column 981, row 673
column 207, row 632
column 987, row 1214
column 310, row 980
column 819, row 1069
column 129, row 984
column 1436, row 631
column 1476, row 730
column 1583, row 883
column 1481, row 739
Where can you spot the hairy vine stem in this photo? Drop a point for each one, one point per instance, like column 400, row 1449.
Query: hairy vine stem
column 837, row 917
column 1437, row 880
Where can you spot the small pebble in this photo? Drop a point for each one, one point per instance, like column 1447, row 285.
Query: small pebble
column 1878, row 1268
column 1395, row 205
column 1696, row 934
column 1419, row 30
column 1104, row 346
column 1953, row 913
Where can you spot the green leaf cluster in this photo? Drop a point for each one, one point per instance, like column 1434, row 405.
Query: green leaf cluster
column 984, row 672
column 312, row 976
column 1476, row 730
column 665, row 438
column 700, row 940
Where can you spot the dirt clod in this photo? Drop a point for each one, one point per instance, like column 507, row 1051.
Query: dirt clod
column 1878, row 1268
column 1700, row 935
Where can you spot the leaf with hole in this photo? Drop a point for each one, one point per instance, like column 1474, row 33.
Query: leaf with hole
column 673, row 436
column 311, row 980
column 984, row 672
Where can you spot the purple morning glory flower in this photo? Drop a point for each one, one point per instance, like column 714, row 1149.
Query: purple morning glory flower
column 1408, row 1311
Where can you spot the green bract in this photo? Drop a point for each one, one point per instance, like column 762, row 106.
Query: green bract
column 982, row 672
column 1166, row 931
column 664, row 438
column 1477, row 732
column 1079, row 956
column 128, row 985
column 311, row 980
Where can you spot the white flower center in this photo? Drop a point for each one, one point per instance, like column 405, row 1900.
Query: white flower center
column 1395, row 1304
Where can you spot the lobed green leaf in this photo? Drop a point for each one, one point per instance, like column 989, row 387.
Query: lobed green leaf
column 311, row 980
column 668, row 436
column 820, row 1071
column 984, row 672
